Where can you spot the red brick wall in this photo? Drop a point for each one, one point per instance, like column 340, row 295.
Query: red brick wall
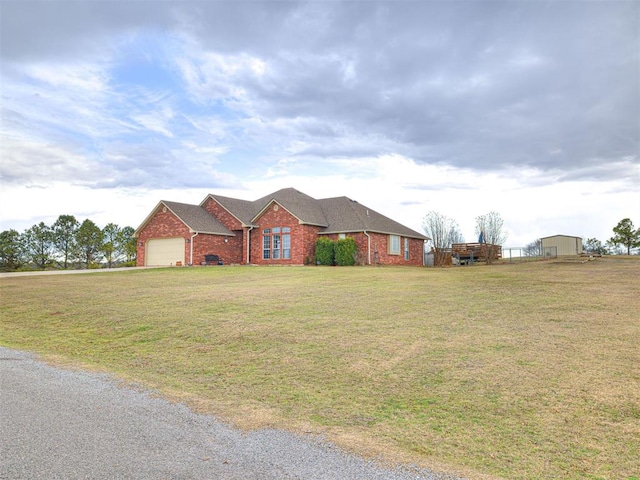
column 303, row 237
column 230, row 252
column 224, row 217
column 167, row 225
column 162, row 225
column 380, row 243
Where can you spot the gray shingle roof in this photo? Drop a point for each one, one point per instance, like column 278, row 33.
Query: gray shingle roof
column 334, row 215
column 302, row 206
column 197, row 218
column 243, row 210
column 346, row 215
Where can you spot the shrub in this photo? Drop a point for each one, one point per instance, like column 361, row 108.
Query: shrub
column 325, row 251
column 345, row 252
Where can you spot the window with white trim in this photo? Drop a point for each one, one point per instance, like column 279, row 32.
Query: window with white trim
column 276, row 243
column 266, row 243
column 394, row 245
column 406, row 249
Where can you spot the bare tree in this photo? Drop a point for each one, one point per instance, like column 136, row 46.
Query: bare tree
column 533, row 249
column 489, row 228
column 443, row 232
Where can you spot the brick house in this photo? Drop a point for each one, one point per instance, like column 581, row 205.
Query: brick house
column 280, row 228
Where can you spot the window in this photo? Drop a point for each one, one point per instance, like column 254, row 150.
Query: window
column 394, row 245
column 266, row 244
column 276, row 243
column 342, row 236
column 406, row 249
column 286, row 243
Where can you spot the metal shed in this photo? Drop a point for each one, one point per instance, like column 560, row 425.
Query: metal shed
column 558, row 245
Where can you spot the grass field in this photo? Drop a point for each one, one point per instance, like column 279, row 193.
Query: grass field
column 524, row 371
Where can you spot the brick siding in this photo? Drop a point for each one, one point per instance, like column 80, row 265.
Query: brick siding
column 164, row 224
column 234, row 250
column 223, row 216
column 302, row 237
column 380, row 244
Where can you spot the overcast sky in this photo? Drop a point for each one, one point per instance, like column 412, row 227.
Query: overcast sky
column 528, row 108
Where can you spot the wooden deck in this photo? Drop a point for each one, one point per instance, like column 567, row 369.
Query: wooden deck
column 476, row 251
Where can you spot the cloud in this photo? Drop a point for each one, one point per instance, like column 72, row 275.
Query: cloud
column 439, row 103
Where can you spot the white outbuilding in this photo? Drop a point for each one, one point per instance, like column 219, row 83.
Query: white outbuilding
column 559, row 245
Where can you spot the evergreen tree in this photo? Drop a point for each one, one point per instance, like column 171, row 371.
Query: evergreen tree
column 11, row 250
column 64, row 238
column 110, row 245
column 89, row 239
column 128, row 244
column 626, row 235
column 38, row 245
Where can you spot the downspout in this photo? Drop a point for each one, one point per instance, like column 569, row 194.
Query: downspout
column 191, row 248
column 249, row 244
column 424, row 245
column 368, row 247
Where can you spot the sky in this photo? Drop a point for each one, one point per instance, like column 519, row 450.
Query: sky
column 527, row 108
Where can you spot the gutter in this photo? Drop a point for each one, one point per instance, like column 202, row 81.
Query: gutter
column 191, row 248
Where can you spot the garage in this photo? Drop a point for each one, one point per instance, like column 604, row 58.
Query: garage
column 165, row 251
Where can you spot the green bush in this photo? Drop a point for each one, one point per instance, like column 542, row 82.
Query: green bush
column 325, row 251
column 345, row 252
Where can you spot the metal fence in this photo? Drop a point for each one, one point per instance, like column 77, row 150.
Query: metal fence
column 522, row 254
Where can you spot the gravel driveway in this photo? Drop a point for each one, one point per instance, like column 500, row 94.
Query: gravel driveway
column 60, row 424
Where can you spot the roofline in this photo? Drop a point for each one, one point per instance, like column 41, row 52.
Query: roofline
column 242, row 224
column 151, row 215
column 560, row 235
column 332, row 232
column 300, row 222
column 191, row 230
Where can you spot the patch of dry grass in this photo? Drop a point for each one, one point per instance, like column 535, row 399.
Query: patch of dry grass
column 521, row 371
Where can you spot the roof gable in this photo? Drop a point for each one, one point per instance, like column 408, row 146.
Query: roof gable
column 196, row 218
column 305, row 208
column 242, row 210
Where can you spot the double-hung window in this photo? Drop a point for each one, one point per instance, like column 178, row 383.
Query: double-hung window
column 276, row 243
column 266, row 243
column 406, row 249
column 286, row 243
column 394, row 245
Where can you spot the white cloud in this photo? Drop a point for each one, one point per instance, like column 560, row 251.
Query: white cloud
column 518, row 107
column 156, row 121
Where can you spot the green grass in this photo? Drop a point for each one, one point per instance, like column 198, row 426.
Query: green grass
column 523, row 371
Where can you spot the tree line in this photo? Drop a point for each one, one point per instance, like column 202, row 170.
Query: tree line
column 65, row 244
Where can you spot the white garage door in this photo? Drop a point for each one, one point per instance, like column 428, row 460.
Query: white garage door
column 165, row 251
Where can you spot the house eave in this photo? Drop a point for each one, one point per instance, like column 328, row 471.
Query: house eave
column 381, row 232
column 220, row 234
